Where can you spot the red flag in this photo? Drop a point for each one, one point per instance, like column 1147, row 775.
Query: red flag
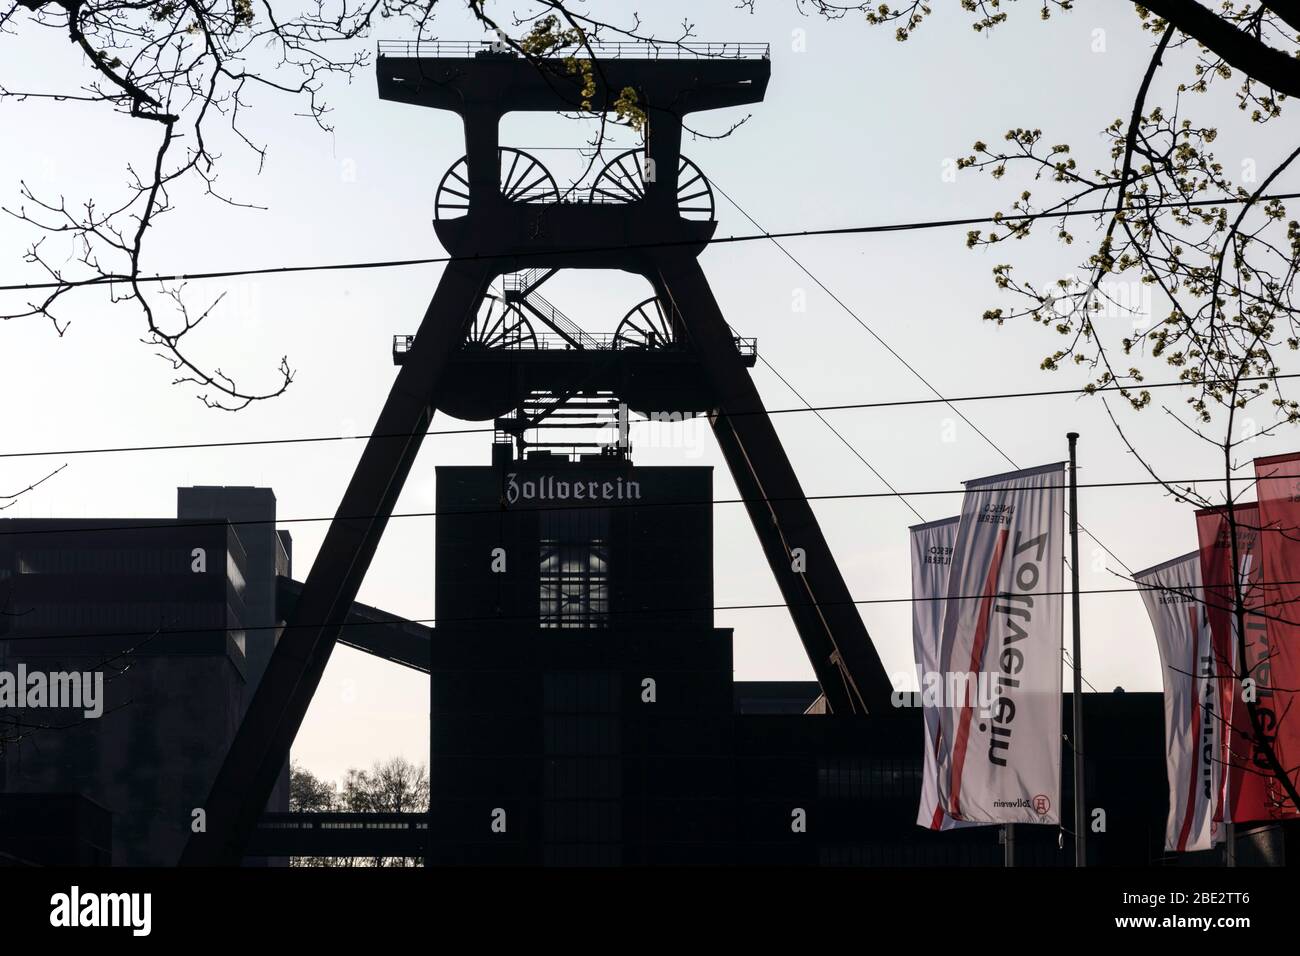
column 1278, row 481
column 1248, row 786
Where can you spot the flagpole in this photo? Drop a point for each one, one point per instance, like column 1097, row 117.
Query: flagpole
column 1076, row 729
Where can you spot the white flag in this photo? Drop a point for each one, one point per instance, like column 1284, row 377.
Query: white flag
column 932, row 545
column 1193, row 728
column 1000, row 731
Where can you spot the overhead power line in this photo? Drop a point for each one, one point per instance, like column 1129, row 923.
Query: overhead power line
column 836, row 432
column 640, row 613
column 154, row 524
column 869, row 330
column 716, row 241
column 771, row 236
column 482, row 430
column 908, row 365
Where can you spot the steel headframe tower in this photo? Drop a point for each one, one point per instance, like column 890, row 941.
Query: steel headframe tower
column 498, row 214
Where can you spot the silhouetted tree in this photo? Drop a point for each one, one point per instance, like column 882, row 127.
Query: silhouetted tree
column 192, row 71
column 308, row 793
column 1216, row 257
column 392, row 786
column 11, row 499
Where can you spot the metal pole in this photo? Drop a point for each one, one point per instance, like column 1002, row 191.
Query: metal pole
column 1076, row 730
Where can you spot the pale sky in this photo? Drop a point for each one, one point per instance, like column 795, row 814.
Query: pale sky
column 856, row 129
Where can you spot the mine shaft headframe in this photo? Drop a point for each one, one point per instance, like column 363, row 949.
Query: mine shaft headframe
column 528, row 236
column 481, row 84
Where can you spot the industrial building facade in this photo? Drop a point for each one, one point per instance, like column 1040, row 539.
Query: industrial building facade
column 583, row 707
column 584, row 710
column 179, row 618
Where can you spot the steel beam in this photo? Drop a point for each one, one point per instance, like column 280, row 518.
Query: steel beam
column 261, row 745
column 845, row 661
column 369, row 629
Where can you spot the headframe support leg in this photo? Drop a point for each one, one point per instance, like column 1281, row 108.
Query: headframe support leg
column 262, row 742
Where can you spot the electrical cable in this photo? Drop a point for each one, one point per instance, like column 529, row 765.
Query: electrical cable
column 483, row 430
column 648, row 613
column 999, row 219
column 155, row 524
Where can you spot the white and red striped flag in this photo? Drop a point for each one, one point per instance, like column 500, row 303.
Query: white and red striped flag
column 999, row 757
column 1195, row 742
column 932, row 548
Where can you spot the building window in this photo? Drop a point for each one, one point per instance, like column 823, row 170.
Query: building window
column 574, row 568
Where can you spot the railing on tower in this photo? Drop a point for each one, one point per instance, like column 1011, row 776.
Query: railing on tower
column 619, row 49
column 561, row 323
column 570, row 425
column 599, row 342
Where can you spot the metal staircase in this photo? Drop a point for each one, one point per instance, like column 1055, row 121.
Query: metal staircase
column 567, row 425
column 521, row 287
